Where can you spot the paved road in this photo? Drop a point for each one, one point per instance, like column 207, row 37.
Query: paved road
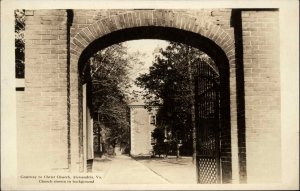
column 176, row 171
column 125, row 170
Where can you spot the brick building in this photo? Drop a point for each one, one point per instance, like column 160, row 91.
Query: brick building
column 244, row 43
column 142, row 123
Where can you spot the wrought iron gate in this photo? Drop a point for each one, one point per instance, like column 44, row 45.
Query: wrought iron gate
column 207, row 124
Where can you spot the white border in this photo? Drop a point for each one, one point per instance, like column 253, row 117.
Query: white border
column 289, row 53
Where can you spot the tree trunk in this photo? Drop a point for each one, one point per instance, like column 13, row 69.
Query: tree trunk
column 99, row 135
column 99, row 140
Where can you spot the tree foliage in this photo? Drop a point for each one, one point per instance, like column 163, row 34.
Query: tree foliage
column 109, row 72
column 169, row 85
column 19, row 42
column 158, row 135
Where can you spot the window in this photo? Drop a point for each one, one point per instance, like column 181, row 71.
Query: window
column 152, row 119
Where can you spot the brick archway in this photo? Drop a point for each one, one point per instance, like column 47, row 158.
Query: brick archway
column 57, row 40
column 161, row 18
column 160, row 24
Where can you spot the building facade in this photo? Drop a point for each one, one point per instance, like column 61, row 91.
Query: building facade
column 142, row 124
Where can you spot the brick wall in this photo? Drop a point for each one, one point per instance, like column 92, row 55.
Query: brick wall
column 43, row 133
column 20, row 120
column 219, row 17
column 262, row 95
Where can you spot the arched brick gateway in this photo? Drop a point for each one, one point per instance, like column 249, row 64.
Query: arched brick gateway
column 186, row 29
column 58, row 41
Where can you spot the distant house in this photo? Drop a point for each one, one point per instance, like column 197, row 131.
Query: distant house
column 142, row 123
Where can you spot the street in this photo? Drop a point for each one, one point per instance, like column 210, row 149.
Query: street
column 124, row 170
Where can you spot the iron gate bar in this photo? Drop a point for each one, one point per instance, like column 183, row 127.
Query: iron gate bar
column 197, row 125
column 207, row 124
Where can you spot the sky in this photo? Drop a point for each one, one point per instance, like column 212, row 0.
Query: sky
column 147, row 48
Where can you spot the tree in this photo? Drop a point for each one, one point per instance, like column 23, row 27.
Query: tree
column 19, row 42
column 109, row 73
column 169, row 84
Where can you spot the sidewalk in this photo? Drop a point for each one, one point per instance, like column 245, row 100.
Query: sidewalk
column 125, row 170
